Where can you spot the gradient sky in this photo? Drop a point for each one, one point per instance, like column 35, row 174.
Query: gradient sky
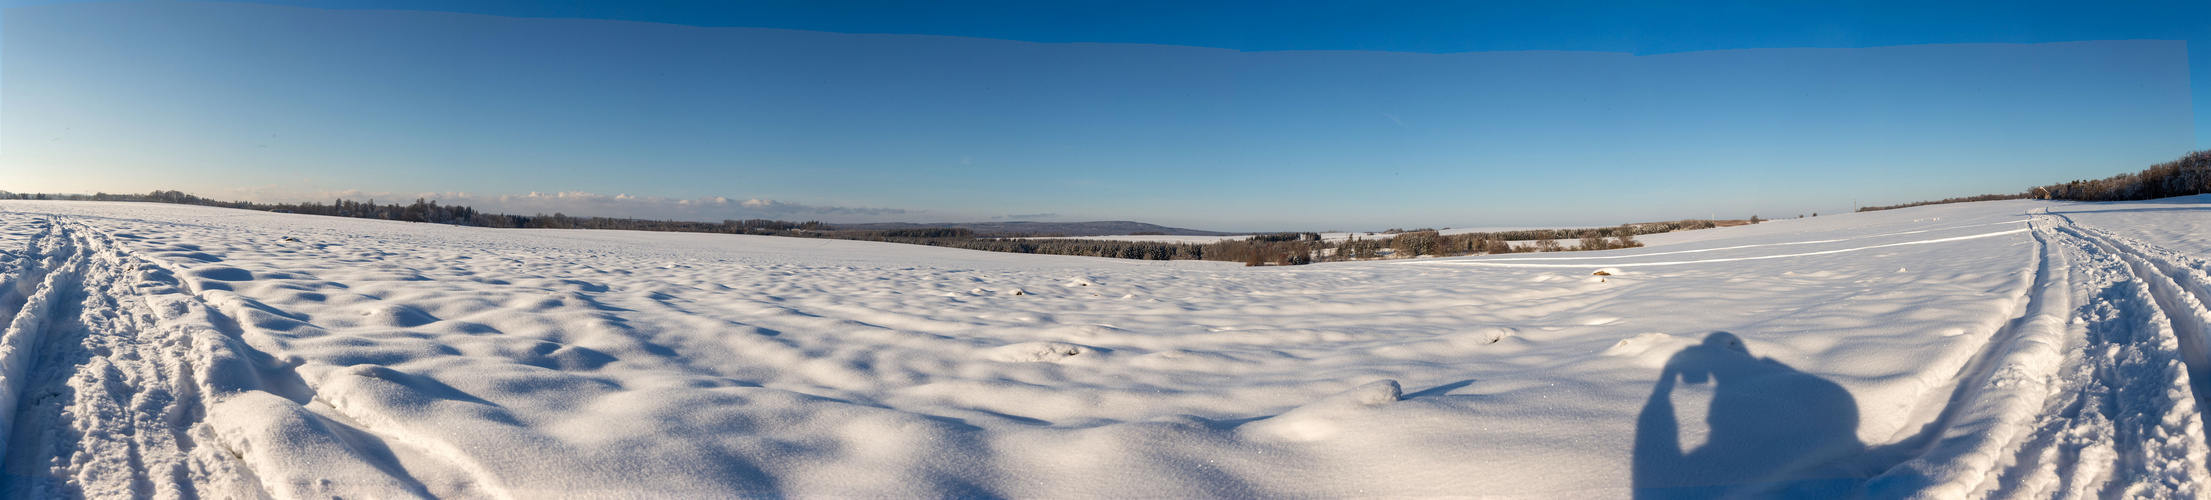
column 1227, row 115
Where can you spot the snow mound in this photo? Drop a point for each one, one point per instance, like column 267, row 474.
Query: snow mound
column 1326, row 418
column 1493, row 334
column 1034, row 352
column 1650, row 345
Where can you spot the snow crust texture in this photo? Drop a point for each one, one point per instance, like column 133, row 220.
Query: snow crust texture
column 2016, row 349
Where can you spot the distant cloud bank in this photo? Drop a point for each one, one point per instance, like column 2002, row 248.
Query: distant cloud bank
column 772, row 206
column 1023, row 216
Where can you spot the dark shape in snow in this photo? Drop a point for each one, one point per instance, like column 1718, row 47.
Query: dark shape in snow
column 1775, row 431
column 1440, row 390
column 222, row 274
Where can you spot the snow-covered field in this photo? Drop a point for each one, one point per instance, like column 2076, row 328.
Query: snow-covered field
column 1331, row 236
column 2019, row 349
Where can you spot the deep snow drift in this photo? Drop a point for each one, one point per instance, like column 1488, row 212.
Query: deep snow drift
column 2010, row 349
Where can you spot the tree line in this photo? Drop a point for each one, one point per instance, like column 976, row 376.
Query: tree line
column 1293, row 248
column 2190, row 174
column 1961, row 199
column 1429, row 242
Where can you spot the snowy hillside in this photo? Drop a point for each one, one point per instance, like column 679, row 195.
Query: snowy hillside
column 2019, row 349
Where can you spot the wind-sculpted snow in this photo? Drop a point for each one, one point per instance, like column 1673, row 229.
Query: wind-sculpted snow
column 1941, row 351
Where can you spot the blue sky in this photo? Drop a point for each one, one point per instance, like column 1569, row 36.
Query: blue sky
column 1222, row 115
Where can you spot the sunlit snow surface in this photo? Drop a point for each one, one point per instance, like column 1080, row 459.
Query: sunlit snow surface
column 2011, row 349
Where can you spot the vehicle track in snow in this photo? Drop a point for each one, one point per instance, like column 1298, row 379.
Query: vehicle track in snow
column 28, row 304
column 2096, row 392
column 2108, row 434
column 102, row 395
column 1984, row 407
column 2178, row 284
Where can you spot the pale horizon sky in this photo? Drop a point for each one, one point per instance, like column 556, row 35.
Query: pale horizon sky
column 526, row 111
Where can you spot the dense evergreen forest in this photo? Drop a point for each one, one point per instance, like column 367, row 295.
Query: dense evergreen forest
column 1258, row 250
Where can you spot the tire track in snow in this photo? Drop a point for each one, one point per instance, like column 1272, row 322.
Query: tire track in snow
column 2121, row 416
column 2087, row 393
column 104, row 398
column 268, row 422
column 28, row 303
column 253, row 411
column 18, row 263
column 2178, row 292
column 1991, row 399
column 82, row 424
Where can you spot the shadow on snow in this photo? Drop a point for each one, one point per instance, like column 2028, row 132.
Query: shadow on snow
column 1774, row 431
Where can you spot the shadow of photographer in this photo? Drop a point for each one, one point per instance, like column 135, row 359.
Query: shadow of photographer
column 1774, row 431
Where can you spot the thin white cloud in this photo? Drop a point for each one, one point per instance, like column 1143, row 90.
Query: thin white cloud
column 772, row 206
column 1393, row 118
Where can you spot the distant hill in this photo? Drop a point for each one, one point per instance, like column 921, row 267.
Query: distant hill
column 1094, row 228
